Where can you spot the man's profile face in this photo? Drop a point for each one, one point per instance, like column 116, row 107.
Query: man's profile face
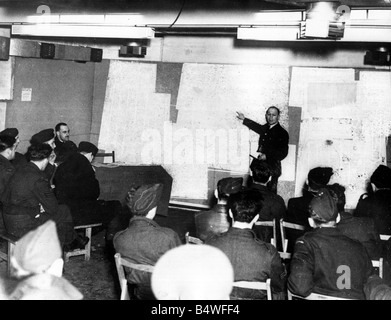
column 63, row 133
column 272, row 116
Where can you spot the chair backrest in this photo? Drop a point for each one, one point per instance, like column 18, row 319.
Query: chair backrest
column 378, row 264
column 385, row 237
column 314, row 296
column 272, row 224
column 289, row 225
column 256, row 285
column 106, row 154
column 192, row 240
column 120, row 263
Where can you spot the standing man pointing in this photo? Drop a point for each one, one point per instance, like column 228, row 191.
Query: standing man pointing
column 272, row 144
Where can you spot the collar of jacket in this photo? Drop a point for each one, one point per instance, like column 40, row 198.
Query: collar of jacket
column 248, row 233
column 142, row 220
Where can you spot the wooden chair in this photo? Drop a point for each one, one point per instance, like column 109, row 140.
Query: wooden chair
column 314, row 296
column 272, row 224
column 120, row 263
column 385, row 237
column 11, row 241
column 192, row 240
column 378, row 264
column 87, row 249
column 106, row 154
column 284, row 241
column 256, row 285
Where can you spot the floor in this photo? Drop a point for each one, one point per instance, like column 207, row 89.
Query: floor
column 97, row 278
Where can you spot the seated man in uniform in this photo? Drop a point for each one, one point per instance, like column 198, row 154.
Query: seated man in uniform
column 77, row 186
column 144, row 241
column 14, row 133
column 216, row 221
column 251, row 258
column 273, row 205
column 64, row 146
column 324, row 260
column 29, row 201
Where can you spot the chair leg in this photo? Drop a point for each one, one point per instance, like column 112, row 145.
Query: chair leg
column 11, row 247
column 88, row 245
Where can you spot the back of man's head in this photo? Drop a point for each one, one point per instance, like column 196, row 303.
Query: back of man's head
column 245, row 205
column 339, row 191
column 381, row 177
column 319, row 177
column 323, row 207
column 260, row 171
column 228, row 186
column 38, row 152
column 144, row 198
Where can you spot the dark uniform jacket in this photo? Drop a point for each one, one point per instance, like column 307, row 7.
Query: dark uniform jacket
column 272, row 142
column 378, row 207
column 362, row 229
column 327, row 262
column 27, row 189
column 75, row 180
column 7, row 170
column 212, row 222
column 64, row 149
column 252, row 260
column 144, row 242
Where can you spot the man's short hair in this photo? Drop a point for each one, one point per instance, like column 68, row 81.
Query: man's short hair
column 274, row 107
column 227, row 186
column 245, row 205
column 38, row 151
column 339, row 191
column 6, row 142
column 319, row 177
column 58, row 126
column 261, row 171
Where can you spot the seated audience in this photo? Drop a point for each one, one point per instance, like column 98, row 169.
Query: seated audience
column 77, row 186
column 144, row 241
column 377, row 203
column 273, row 205
column 64, row 146
column 193, row 272
column 14, row 133
column 297, row 208
column 251, row 258
column 29, row 201
column 325, row 261
column 37, row 265
column 215, row 221
column 47, row 137
column 362, row 229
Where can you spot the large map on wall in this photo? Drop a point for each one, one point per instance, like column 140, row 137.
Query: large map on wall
column 206, row 134
column 344, row 125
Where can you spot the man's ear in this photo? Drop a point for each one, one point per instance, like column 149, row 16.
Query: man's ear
column 338, row 218
column 312, row 223
column 216, row 193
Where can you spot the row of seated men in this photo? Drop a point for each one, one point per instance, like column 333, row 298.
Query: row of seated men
column 332, row 257
column 54, row 179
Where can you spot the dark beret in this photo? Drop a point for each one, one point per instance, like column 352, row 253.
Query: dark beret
column 12, row 132
column 381, row 177
column 230, row 185
column 146, row 198
column 323, row 206
column 42, row 136
column 85, row 146
column 319, row 177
